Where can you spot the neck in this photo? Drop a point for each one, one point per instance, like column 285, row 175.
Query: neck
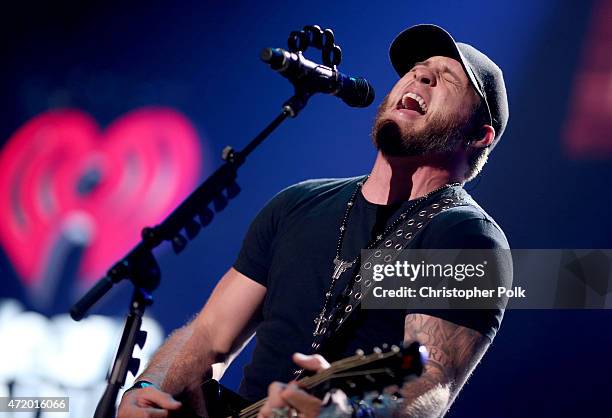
column 395, row 179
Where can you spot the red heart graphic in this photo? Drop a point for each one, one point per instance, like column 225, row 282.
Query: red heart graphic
column 60, row 175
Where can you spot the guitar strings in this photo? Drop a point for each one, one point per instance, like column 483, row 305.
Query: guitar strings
column 314, row 380
column 307, row 382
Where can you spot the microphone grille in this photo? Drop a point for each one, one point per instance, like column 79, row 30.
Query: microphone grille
column 362, row 95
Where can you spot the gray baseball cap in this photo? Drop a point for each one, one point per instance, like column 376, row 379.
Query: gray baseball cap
column 421, row 42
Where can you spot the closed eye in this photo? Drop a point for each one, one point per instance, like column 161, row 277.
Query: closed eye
column 451, row 76
column 444, row 72
column 453, row 81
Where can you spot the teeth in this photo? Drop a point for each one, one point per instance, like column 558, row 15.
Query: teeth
column 416, row 97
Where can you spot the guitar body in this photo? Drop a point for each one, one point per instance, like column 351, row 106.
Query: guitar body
column 220, row 401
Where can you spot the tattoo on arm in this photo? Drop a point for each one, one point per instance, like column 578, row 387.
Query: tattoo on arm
column 454, row 351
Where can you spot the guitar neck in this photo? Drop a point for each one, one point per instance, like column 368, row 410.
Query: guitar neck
column 252, row 410
column 342, row 369
column 354, row 375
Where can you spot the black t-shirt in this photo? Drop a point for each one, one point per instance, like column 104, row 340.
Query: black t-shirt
column 290, row 247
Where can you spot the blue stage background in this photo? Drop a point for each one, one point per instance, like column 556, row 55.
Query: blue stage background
column 202, row 59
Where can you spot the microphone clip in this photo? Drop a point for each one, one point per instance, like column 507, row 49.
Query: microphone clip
column 323, row 40
column 298, row 42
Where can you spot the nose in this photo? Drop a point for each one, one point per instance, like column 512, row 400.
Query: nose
column 423, row 75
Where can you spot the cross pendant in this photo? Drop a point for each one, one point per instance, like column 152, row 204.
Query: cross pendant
column 319, row 320
column 340, row 267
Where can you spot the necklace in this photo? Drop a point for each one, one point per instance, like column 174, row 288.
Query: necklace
column 340, row 266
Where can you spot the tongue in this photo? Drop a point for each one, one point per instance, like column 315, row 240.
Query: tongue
column 411, row 104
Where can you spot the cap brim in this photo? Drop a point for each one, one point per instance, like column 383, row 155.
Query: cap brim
column 420, row 42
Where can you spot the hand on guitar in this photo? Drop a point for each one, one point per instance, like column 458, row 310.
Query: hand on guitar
column 148, row 402
column 289, row 399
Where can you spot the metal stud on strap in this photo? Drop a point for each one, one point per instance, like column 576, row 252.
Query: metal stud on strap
column 407, row 228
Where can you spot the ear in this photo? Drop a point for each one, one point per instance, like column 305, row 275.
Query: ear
column 484, row 137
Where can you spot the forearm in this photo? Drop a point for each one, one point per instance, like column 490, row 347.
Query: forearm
column 182, row 361
column 218, row 332
column 454, row 352
column 427, row 398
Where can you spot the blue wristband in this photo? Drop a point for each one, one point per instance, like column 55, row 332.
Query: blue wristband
column 141, row 384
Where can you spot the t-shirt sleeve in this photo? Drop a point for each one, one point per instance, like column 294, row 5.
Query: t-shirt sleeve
column 460, row 232
column 256, row 252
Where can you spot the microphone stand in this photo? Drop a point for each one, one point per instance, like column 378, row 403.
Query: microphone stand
column 140, row 267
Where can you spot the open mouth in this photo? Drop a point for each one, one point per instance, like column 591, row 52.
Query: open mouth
column 412, row 101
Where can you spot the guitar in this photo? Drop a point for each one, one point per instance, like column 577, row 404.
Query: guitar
column 354, row 375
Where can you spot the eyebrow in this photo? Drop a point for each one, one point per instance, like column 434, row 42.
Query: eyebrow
column 445, row 69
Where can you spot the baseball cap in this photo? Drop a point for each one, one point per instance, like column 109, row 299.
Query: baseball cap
column 421, row 42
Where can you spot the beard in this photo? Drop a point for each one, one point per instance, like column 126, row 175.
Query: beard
column 441, row 137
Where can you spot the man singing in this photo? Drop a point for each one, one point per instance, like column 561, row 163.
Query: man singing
column 433, row 132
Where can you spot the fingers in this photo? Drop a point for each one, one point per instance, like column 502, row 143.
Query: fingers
column 274, row 400
column 155, row 413
column 314, row 362
column 146, row 403
column 306, row 405
column 151, row 396
column 282, row 396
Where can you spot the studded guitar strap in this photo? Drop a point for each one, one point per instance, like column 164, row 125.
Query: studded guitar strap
column 398, row 238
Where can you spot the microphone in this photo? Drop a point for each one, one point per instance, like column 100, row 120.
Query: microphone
column 354, row 91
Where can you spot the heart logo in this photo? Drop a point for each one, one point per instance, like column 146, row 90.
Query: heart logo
column 64, row 180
